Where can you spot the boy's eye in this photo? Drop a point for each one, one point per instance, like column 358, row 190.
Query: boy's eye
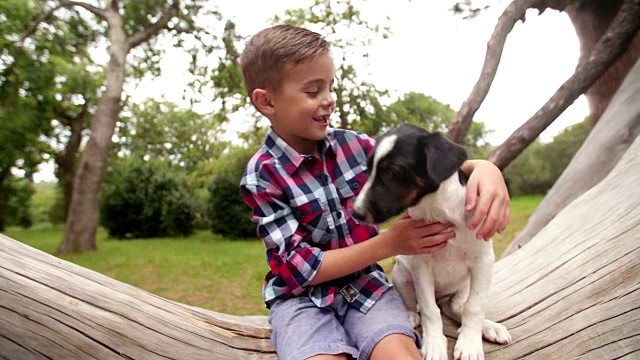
column 312, row 92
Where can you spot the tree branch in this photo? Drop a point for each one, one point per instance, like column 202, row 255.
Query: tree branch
column 146, row 33
column 62, row 4
column 511, row 15
column 609, row 48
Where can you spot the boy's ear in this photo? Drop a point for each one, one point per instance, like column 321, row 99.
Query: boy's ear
column 262, row 101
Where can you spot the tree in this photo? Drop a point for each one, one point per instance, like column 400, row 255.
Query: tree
column 50, row 83
column 429, row 113
column 162, row 130
column 75, row 104
column 130, row 28
column 610, row 45
column 26, row 78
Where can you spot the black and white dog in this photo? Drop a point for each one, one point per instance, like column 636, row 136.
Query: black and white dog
column 412, row 168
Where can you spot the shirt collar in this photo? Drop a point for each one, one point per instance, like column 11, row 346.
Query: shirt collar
column 288, row 156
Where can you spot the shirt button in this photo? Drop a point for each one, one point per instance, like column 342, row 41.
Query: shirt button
column 339, row 214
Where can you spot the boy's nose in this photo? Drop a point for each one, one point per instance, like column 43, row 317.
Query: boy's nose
column 328, row 100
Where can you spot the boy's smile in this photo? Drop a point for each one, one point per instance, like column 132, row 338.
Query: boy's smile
column 301, row 106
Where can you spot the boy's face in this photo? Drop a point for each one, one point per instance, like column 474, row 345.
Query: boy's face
column 301, row 107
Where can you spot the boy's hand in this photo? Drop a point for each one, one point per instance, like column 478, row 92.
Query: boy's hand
column 407, row 236
column 487, row 194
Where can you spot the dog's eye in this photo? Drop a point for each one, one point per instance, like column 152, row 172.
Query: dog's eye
column 398, row 174
column 396, row 171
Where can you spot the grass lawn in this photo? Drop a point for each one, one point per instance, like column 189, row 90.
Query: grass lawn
column 204, row 270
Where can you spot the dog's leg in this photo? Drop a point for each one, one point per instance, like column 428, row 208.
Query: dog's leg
column 491, row 331
column 403, row 282
column 469, row 344
column 434, row 342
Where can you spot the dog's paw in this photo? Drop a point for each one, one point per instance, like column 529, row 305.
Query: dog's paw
column 434, row 347
column 468, row 347
column 414, row 319
column 495, row 333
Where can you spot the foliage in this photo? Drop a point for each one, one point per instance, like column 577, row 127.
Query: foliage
column 228, row 214
column 541, row 164
column 564, row 146
column 17, row 198
column 44, row 79
column 162, row 130
column 358, row 103
column 429, row 113
column 25, row 78
column 144, row 199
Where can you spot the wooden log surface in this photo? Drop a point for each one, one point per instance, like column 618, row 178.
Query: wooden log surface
column 572, row 292
column 53, row 309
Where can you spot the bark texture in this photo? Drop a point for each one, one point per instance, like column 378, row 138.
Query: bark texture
column 591, row 18
column 618, row 127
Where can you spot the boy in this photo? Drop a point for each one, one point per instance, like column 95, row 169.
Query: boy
column 327, row 296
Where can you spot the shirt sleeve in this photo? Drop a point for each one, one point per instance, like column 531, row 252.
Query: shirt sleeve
column 366, row 142
column 289, row 256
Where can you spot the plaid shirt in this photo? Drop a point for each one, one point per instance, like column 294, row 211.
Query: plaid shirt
column 302, row 206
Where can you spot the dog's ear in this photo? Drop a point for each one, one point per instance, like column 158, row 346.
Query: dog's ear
column 444, row 157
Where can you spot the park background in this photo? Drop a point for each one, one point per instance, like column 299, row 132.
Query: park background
column 191, row 147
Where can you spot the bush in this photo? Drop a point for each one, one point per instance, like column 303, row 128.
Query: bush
column 144, row 199
column 15, row 203
column 229, row 215
column 541, row 164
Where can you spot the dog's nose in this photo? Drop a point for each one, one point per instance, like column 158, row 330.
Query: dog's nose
column 358, row 215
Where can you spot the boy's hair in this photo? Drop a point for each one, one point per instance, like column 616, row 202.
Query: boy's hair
column 272, row 50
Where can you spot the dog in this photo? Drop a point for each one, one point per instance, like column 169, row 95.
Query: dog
column 411, row 168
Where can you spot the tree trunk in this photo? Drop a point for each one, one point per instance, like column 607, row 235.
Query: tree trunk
column 609, row 139
column 66, row 161
column 82, row 220
column 591, row 18
column 572, row 292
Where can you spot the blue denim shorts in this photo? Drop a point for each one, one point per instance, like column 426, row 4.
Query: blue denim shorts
column 301, row 329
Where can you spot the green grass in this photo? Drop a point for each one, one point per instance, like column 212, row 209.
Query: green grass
column 204, row 270
column 521, row 209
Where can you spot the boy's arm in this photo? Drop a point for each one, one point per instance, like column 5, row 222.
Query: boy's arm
column 488, row 195
column 404, row 236
column 300, row 265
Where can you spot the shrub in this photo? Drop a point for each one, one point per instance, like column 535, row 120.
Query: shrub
column 15, row 203
column 541, row 164
column 229, row 215
column 144, row 199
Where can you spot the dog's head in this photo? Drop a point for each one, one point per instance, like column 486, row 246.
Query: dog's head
column 406, row 164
